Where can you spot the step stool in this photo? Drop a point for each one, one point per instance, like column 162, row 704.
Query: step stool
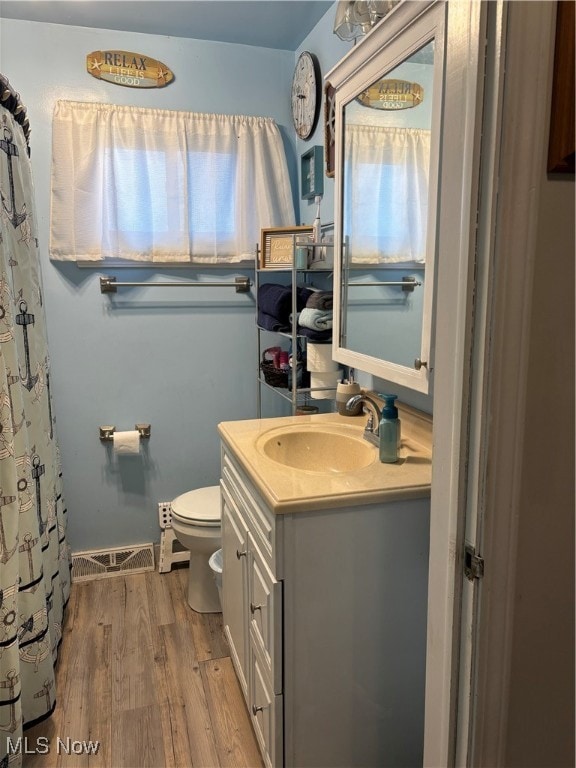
column 171, row 551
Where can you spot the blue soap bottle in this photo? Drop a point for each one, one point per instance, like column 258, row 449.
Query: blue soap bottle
column 389, row 431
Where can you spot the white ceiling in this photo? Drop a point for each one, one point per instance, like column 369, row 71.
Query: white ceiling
column 279, row 24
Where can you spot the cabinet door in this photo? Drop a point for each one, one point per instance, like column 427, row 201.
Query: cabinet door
column 235, row 586
column 266, row 614
column 266, row 714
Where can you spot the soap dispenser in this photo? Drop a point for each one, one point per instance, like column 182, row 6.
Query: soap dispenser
column 389, row 431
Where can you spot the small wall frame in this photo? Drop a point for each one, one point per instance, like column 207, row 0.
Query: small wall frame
column 312, row 173
column 277, row 245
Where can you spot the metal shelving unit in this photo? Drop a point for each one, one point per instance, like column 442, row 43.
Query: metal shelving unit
column 296, row 396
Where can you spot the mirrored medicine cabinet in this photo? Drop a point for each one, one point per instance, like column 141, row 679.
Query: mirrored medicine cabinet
column 388, row 105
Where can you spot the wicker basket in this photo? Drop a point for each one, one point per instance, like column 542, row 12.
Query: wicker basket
column 281, row 378
column 275, row 377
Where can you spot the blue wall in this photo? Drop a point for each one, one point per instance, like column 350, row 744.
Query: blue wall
column 328, row 49
column 181, row 359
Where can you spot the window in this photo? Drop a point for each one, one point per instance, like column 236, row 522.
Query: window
column 164, row 186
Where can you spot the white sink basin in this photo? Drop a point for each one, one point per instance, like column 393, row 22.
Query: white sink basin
column 318, row 448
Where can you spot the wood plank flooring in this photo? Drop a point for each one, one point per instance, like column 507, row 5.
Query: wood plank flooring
column 148, row 678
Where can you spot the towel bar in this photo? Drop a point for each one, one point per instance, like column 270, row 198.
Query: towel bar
column 407, row 283
column 110, row 284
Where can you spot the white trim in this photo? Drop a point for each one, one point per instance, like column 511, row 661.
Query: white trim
column 489, row 161
column 454, row 306
column 388, row 28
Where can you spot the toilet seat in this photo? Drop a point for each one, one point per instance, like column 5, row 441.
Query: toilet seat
column 200, row 507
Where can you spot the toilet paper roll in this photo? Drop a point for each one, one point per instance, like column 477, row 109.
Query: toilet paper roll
column 319, row 358
column 326, row 379
column 127, row 443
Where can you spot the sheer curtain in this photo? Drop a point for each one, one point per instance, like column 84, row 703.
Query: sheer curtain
column 164, row 186
column 386, row 208
column 34, row 555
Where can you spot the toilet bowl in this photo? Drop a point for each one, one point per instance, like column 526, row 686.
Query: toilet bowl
column 196, row 523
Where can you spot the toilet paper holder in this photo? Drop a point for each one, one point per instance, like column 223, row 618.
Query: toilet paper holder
column 107, row 431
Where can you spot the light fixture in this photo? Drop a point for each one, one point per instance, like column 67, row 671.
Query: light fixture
column 355, row 18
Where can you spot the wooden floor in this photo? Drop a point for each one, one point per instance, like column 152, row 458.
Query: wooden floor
column 148, row 678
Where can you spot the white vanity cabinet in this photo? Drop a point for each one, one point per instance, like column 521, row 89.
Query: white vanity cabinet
column 325, row 613
column 252, row 606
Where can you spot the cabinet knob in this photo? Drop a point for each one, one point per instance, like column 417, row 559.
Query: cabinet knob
column 420, row 364
column 256, row 709
column 254, row 608
column 240, row 554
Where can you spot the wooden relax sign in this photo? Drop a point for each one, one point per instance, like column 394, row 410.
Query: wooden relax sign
column 131, row 69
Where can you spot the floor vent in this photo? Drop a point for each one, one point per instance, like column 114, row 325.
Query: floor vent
column 110, row 562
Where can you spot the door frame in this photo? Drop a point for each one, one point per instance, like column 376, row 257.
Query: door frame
column 456, row 248
column 527, row 34
column 481, row 371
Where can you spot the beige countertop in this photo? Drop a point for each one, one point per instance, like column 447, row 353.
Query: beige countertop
column 297, row 490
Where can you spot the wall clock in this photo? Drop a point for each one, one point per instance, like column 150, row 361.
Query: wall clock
column 306, row 94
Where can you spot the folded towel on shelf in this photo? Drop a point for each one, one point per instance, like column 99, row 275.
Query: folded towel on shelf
column 275, row 301
column 311, row 333
column 320, row 300
column 302, row 296
column 316, row 319
column 270, row 323
column 324, row 336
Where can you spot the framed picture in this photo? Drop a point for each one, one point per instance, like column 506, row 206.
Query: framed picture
column 277, row 245
column 312, row 173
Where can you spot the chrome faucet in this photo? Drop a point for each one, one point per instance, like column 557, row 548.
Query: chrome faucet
column 371, row 430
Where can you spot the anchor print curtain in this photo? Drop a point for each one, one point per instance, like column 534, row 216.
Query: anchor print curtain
column 34, row 555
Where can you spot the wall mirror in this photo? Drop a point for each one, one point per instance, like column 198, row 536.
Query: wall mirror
column 388, row 108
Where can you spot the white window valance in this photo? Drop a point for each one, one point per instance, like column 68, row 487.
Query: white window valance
column 386, row 207
column 157, row 185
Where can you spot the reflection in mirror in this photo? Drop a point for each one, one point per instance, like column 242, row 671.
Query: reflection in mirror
column 385, row 198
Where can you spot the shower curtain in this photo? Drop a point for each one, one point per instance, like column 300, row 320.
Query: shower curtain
column 34, row 555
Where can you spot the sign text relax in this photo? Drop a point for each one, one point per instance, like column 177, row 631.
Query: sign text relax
column 130, row 69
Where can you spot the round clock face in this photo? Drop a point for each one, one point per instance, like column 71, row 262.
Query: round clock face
column 305, row 101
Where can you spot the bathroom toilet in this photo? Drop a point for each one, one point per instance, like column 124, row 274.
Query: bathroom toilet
column 196, row 523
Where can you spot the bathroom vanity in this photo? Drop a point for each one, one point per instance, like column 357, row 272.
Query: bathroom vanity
column 325, row 589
